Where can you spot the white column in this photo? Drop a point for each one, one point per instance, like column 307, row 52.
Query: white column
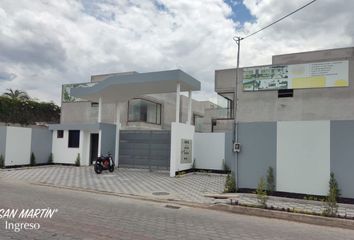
column 118, row 125
column 99, row 120
column 99, row 110
column 189, row 119
column 178, row 92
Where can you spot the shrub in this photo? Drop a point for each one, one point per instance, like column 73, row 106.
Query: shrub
column 50, row 158
column 225, row 167
column 2, row 161
column 77, row 162
column 331, row 206
column 230, row 184
column 262, row 193
column 270, row 180
column 33, row 159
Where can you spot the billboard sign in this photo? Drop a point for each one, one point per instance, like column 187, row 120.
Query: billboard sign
column 66, row 89
column 296, row 76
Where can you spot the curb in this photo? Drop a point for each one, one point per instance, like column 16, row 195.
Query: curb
column 294, row 217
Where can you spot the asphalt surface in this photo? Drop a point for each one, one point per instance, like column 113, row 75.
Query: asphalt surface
column 83, row 215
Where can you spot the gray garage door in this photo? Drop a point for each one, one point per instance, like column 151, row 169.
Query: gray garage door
column 145, row 149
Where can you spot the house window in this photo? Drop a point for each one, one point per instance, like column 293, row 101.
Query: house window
column 94, row 104
column 74, row 139
column 60, row 133
column 141, row 110
column 284, row 93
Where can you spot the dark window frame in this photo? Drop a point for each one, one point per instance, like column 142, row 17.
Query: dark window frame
column 94, row 104
column 74, row 139
column 157, row 117
column 285, row 93
column 60, row 133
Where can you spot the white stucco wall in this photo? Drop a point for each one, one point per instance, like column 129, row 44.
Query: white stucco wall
column 180, row 131
column 18, row 146
column 303, row 157
column 85, row 147
column 209, row 150
column 61, row 152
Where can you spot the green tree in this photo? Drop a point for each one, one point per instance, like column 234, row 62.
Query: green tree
column 331, row 206
column 16, row 94
column 33, row 159
column 270, row 180
column 50, row 158
column 77, row 162
column 27, row 112
column 262, row 193
column 230, row 184
column 2, row 161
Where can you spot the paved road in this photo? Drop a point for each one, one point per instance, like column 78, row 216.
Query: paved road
column 85, row 215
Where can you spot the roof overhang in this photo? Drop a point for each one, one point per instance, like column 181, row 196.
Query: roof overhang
column 124, row 87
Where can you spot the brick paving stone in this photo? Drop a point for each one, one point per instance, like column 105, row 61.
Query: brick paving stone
column 190, row 187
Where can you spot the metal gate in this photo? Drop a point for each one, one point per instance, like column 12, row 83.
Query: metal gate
column 145, row 149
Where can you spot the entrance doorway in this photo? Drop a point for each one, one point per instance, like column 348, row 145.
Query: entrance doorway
column 93, row 147
column 145, row 149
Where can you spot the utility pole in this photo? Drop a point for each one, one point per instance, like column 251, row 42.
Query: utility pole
column 238, row 42
column 235, row 137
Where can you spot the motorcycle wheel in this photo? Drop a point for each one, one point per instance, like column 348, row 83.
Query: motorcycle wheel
column 111, row 168
column 98, row 168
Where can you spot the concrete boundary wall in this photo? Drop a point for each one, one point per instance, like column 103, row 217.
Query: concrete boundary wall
column 302, row 154
column 3, row 141
column 303, row 157
column 61, row 152
column 18, row 146
column 41, row 144
column 342, row 155
column 209, row 151
column 180, row 131
column 258, row 152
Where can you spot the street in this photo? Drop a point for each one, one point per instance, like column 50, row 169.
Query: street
column 83, row 215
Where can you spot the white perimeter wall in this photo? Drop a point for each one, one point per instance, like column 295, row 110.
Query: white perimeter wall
column 18, row 146
column 209, row 150
column 303, row 157
column 62, row 153
column 180, row 131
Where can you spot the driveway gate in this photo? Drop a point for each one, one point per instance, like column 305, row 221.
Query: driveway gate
column 145, row 149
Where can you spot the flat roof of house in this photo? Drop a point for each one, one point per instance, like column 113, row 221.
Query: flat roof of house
column 120, row 88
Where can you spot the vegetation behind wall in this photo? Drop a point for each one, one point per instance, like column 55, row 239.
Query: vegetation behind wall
column 27, row 111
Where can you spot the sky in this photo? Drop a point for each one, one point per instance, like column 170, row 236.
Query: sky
column 47, row 43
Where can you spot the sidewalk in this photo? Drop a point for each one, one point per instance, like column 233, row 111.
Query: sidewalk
column 296, row 205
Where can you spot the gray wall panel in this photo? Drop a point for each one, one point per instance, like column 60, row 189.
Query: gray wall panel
column 229, row 154
column 108, row 138
column 342, row 155
column 258, row 152
column 2, row 141
column 41, row 144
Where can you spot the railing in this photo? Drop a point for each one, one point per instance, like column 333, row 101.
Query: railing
column 220, row 113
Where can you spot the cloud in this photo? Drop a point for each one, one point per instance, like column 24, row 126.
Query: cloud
column 5, row 76
column 49, row 43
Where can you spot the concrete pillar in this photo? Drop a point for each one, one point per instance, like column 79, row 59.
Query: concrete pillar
column 118, row 126
column 189, row 119
column 178, row 92
column 99, row 120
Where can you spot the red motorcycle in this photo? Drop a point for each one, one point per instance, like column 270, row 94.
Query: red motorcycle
column 104, row 163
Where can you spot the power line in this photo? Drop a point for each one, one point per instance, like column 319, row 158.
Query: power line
column 278, row 20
